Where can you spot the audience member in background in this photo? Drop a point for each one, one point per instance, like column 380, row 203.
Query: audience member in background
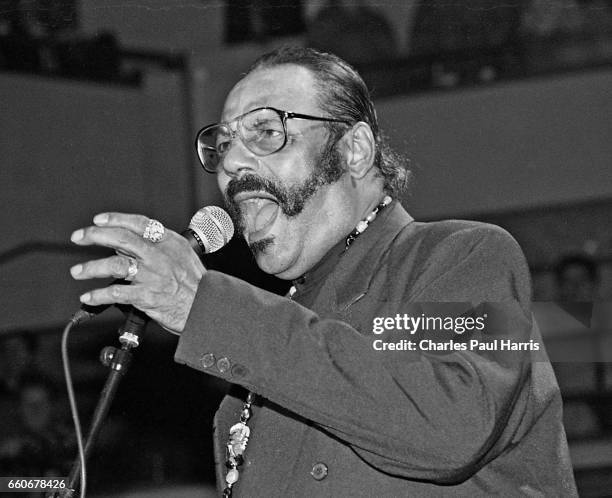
column 353, row 31
column 38, row 441
column 18, row 50
column 460, row 38
column 442, row 27
column 17, row 353
column 577, row 278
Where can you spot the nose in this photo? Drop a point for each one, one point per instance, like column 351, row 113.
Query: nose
column 238, row 160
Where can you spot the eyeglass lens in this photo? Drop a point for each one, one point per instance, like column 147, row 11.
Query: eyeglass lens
column 261, row 131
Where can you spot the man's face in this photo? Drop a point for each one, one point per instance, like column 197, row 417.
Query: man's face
column 288, row 205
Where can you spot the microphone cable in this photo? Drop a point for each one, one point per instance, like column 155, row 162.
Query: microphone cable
column 77, row 318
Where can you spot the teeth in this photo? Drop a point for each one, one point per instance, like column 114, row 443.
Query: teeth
column 258, row 201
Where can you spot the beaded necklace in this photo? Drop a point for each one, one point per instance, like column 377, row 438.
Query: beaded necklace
column 363, row 224
column 239, row 433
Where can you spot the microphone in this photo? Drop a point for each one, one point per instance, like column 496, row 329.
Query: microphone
column 209, row 230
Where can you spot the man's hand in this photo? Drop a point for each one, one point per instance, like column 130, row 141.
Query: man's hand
column 167, row 272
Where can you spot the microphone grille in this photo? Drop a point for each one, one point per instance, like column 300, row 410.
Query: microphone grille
column 214, row 227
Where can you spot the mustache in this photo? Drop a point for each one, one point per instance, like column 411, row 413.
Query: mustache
column 250, row 183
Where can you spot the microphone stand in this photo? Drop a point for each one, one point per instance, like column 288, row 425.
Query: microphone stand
column 118, row 360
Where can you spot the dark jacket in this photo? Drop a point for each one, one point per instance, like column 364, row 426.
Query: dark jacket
column 336, row 417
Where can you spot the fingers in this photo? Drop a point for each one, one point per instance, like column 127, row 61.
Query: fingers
column 120, row 294
column 134, row 222
column 126, row 233
column 121, row 239
column 114, row 266
column 137, row 295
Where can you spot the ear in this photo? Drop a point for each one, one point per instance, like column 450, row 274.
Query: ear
column 360, row 150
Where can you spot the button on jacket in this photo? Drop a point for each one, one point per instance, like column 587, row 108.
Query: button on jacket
column 335, row 417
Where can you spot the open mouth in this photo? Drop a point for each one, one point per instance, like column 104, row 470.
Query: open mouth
column 259, row 211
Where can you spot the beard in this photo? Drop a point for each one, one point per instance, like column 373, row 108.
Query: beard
column 327, row 169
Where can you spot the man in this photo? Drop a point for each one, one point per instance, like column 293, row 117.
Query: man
column 317, row 409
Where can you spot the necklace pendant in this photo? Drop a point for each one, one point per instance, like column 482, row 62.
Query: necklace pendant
column 238, row 440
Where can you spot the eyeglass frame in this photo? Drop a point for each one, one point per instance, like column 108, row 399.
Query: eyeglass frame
column 284, row 115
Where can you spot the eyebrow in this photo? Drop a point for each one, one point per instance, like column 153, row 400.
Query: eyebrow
column 253, row 105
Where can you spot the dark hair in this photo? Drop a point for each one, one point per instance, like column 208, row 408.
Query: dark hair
column 581, row 260
column 344, row 95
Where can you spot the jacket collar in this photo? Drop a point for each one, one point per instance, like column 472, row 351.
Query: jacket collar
column 354, row 271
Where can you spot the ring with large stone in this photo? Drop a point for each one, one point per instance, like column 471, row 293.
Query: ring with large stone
column 132, row 269
column 154, row 231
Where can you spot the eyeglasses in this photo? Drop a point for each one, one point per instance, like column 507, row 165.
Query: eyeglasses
column 263, row 131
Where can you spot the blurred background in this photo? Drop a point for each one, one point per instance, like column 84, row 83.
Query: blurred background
column 503, row 108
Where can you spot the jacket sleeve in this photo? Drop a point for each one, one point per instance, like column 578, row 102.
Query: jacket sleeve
column 420, row 416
